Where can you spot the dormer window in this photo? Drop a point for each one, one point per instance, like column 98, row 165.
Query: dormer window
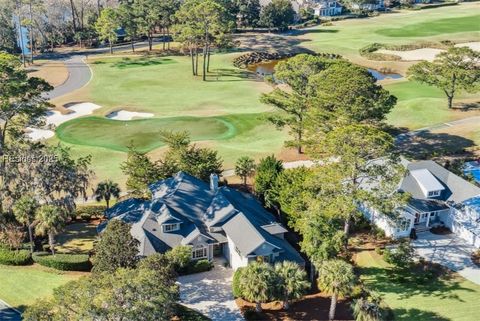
column 171, row 227
column 427, row 182
column 434, row 193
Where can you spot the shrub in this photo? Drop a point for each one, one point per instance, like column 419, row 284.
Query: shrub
column 88, row 212
column 21, row 257
column 379, row 250
column 401, row 257
column 64, row 262
column 237, row 293
column 197, row 267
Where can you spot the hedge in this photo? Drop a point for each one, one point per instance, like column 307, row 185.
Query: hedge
column 64, row 262
column 196, row 267
column 91, row 211
column 20, row 257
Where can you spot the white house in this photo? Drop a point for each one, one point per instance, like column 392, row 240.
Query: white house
column 439, row 197
column 326, row 8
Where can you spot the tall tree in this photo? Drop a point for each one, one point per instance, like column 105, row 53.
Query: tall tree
column 117, row 248
column 454, row 70
column 24, row 210
column 128, row 20
column 355, row 156
column 248, row 13
column 140, row 172
column 367, row 309
column 51, row 220
column 293, row 104
column 336, row 278
column 267, row 171
column 257, row 283
column 107, row 25
column 291, row 281
column 106, row 190
column 147, row 13
column 201, row 21
column 245, row 168
column 277, row 14
column 20, row 97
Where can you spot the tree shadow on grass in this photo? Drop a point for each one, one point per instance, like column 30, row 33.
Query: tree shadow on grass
column 416, row 314
column 406, row 284
column 232, row 74
column 141, row 62
column 425, row 144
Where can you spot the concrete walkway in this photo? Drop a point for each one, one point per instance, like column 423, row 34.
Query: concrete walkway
column 449, row 251
column 210, row 293
column 7, row 313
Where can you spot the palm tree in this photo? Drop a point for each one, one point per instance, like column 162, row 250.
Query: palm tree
column 368, row 308
column 245, row 167
column 51, row 219
column 106, row 190
column 291, row 281
column 24, row 211
column 257, row 283
column 336, row 277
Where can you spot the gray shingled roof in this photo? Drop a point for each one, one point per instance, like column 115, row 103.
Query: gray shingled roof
column 191, row 202
column 456, row 190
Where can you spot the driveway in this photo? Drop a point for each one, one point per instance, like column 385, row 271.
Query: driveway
column 210, row 293
column 450, row 251
column 7, row 313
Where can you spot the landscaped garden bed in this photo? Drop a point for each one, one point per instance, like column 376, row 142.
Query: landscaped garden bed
column 476, row 257
column 440, row 230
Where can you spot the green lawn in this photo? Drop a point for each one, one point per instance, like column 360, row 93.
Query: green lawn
column 77, row 237
column 453, row 299
column 22, row 285
column 224, row 112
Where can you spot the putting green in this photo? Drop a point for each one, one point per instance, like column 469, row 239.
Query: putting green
column 434, row 27
column 145, row 134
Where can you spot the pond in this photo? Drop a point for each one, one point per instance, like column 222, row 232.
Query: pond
column 267, row 68
column 473, row 168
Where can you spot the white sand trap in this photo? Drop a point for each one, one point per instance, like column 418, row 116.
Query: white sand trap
column 411, row 55
column 83, row 109
column 472, row 45
column 127, row 115
column 56, row 118
column 36, row 134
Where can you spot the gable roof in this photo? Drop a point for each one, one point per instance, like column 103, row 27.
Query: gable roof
column 202, row 212
column 456, row 189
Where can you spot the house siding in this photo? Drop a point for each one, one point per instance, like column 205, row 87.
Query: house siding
column 234, row 258
column 383, row 222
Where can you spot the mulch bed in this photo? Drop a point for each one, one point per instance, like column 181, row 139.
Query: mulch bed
column 313, row 307
column 440, row 230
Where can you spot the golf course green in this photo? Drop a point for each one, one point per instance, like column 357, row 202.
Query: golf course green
column 224, row 112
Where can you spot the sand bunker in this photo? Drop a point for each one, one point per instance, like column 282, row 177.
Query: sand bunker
column 411, row 55
column 472, row 45
column 128, row 115
column 428, row 54
column 55, row 118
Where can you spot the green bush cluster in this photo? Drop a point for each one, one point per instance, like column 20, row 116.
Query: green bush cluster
column 89, row 212
column 236, row 283
column 64, row 262
column 196, row 267
column 20, row 257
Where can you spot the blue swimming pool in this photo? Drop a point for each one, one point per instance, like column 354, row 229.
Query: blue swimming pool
column 473, row 168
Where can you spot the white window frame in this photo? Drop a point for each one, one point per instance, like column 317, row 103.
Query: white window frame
column 198, row 248
column 171, row 227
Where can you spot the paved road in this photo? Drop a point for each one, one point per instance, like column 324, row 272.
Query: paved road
column 79, row 75
column 450, row 251
column 7, row 313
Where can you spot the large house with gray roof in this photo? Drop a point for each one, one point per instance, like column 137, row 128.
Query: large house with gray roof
column 214, row 220
column 438, row 197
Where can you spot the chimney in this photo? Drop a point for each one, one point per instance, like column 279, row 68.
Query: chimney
column 213, row 182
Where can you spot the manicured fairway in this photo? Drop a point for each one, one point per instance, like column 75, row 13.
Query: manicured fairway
column 22, row 285
column 443, row 299
column 435, row 27
column 166, row 87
